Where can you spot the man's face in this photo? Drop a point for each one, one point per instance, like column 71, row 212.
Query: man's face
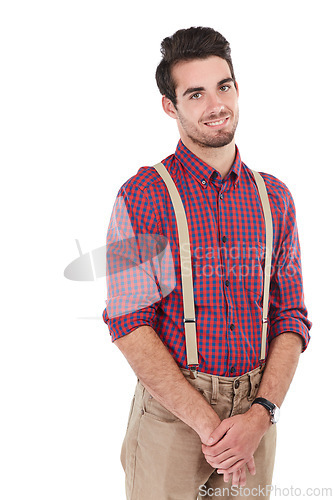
column 207, row 102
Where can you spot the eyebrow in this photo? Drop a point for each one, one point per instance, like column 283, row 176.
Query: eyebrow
column 190, row 90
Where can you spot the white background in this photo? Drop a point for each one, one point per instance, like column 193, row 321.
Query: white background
column 80, row 113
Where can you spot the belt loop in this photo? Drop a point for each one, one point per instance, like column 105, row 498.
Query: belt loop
column 215, row 390
column 254, row 379
column 249, row 394
column 253, row 387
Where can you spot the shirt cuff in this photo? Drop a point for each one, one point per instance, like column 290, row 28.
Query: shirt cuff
column 123, row 325
column 292, row 325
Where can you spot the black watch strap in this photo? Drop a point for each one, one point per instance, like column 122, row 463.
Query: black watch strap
column 264, row 402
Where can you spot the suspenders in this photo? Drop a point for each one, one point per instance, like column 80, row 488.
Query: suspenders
column 185, row 258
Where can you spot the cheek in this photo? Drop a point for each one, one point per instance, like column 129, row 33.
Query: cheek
column 192, row 116
column 233, row 103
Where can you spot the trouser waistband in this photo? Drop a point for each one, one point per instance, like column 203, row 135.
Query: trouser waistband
column 246, row 384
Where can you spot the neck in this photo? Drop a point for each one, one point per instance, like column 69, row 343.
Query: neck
column 221, row 159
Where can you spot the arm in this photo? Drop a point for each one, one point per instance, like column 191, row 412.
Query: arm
column 236, row 439
column 161, row 376
column 282, row 361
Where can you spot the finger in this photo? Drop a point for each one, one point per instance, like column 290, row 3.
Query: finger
column 229, row 464
column 231, row 469
column 242, row 479
column 226, row 476
column 251, row 466
column 221, row 446
column 235, row 478
column 224, row 445
column 219, row 457
column 224, row 464
column 219, row 432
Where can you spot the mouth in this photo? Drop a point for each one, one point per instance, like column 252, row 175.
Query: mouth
column 217, row 123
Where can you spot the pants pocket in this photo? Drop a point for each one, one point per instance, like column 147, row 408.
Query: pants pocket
column 157, row 411
column 131, row 411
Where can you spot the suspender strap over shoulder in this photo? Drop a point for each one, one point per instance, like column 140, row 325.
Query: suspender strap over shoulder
column 268, row 257
column 186, row 263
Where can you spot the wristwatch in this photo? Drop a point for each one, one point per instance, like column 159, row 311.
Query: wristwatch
column 271, row 407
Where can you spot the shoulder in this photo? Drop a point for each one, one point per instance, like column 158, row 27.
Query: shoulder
column 146, row 178
column 278, row 193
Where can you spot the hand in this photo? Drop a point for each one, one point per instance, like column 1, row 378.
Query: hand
column 234, row 441
column 239, row 476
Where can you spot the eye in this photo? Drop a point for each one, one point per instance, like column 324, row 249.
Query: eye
column 196, row 96
column 225, row 88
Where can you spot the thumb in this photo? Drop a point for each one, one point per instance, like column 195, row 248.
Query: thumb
column 219, row 432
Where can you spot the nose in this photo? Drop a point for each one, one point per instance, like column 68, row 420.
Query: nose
column 215, row 103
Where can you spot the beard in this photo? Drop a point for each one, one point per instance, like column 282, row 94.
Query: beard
column 219, row 139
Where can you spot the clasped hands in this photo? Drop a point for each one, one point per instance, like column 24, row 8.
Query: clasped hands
column 231, row 446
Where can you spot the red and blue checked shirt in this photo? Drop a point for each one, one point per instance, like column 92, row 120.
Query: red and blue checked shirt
column 227, row 240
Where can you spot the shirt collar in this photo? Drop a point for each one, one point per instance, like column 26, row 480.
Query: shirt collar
column 204, row 172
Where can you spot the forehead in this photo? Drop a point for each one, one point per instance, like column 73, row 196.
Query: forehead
column 200, row 73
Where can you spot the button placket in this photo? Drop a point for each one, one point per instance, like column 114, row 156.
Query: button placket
column 237, row 398
column 225, row 283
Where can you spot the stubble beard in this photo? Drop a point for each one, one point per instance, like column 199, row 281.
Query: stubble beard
column 221, row 139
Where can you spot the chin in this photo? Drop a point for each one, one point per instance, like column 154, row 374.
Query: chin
column 220, row 142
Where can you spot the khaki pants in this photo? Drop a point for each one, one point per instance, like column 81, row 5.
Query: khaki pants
column 162, row 456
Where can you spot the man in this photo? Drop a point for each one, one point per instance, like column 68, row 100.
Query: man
column 193, row 430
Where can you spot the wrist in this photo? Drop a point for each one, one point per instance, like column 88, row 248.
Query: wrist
column 207, row 426
column 272, row 408
column 261, row 416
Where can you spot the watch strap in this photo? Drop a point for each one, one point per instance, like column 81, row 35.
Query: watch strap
column 264, row 402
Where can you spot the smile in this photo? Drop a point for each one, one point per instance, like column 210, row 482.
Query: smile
column 217, row 123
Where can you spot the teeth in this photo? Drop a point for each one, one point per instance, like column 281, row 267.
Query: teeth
column 211, row 124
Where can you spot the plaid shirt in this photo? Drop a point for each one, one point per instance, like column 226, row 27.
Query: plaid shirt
column 227, row 239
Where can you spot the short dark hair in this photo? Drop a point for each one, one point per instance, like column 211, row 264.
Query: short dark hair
column 185, row 45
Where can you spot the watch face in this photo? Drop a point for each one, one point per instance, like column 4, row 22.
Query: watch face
column 276, row 415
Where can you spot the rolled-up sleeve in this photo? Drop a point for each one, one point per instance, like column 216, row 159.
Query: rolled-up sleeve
column 139, row 263
column 287, row 311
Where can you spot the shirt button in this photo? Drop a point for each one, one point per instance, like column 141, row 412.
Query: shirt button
column 204, row 182
column 221, row 196
column 227, row 282
column 232, row 369
column 232, row 326
column 224, row 239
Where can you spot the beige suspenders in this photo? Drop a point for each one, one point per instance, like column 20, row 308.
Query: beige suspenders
column 268, row 257
column 187, row 278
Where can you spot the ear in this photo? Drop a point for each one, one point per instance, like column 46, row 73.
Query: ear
column 168, row 107
column 237, row 89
